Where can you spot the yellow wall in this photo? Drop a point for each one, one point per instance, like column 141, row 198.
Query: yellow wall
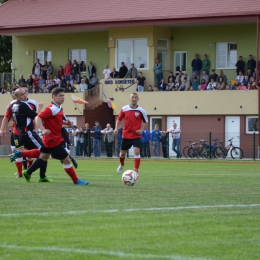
column 70, row 109
column 94, row 42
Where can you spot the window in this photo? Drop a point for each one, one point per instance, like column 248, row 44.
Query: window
column 43, row 56
column 252, row 124
column 226, row 53
column 81, row 57
column 162, row 52
column 132, row 51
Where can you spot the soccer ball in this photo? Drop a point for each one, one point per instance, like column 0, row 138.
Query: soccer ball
column 130, row 177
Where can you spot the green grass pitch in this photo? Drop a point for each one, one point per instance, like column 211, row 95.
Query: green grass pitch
column 180, row 210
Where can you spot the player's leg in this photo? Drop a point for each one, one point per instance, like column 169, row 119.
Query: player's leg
column 18, row 161
column 137, row 158
column 126, row 145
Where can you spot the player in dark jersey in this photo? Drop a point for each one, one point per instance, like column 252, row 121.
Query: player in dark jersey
column 136, row 121
column 23, row 116
column 53, row 118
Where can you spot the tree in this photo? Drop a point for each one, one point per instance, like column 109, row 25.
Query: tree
column 5, row 50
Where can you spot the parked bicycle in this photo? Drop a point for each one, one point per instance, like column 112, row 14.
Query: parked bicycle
column 185, row 150
column 201, row 151
column 235, row 152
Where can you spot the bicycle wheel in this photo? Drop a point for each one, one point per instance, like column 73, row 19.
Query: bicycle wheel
column 192, row 152
column 185, row 151
column 219, row 153
column 236, row 153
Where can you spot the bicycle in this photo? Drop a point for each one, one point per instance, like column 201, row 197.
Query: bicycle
column 185, row 149
column 235, row 152
column 199, row 152
column 218, row 151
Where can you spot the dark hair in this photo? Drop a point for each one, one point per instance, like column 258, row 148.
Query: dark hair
column 56, row 91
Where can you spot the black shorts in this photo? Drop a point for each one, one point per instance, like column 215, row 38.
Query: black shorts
column 128, row 143
column 57, row 152
column 29, row 140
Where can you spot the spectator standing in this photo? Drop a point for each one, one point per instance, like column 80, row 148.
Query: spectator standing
column 122, row 71
column 81, row 141
column 96, row 130
column 156, row 134
column 176, row 135
column 206, row 64
column 60, row 72
column 158, row 71
column 91, row 70
column 132, row 72
column 86, row 136
column 108, row 133
column 68, row 70
column 164, row 141
column 119, row 140
column 240, row 65
column 140, row 82
column 145, row 144
column 196, row 64
column 75, row 69
column 49, row 69
column 44, row 70
column 251, row 63
column 76, row 139
column 36, row 69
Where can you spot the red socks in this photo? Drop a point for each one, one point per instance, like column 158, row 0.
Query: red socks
column 137, row 164
column 34, row 153
column 29, row 163
column 122, row 160
column 19, row 166
column 71, row 172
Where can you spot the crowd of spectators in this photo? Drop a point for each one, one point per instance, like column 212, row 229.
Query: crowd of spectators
column 42, row 79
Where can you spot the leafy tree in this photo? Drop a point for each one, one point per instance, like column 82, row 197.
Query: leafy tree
column 5, row 50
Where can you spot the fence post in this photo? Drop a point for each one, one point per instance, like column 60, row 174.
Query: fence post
column 254, row 146
column 167, row 137
column 89, row 144
column 210, row 146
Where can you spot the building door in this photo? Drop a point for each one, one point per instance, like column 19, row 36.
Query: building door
column 232, row 130
column 180, row 62
column 170, row 121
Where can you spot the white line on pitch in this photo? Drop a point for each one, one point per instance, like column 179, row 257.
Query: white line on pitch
column 78, row 212
column 99, row 252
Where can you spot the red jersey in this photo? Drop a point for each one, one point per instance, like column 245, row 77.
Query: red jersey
column 133, row 120
column 52, row 117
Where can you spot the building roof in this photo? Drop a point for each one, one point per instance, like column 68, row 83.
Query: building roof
column 24, row 15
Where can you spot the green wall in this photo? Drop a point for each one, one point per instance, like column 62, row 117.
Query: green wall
column 94, row 42
column 196, row 39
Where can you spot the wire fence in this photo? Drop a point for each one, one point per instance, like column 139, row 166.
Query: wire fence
column 208, row 145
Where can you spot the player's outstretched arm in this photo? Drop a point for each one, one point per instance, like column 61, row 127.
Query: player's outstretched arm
column 3, row 126
column 116, row 127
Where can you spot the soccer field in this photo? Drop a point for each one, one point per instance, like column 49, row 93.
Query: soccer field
column 181, row 210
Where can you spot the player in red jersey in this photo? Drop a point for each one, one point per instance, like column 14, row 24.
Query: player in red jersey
column 136, row 121
column 53, row 118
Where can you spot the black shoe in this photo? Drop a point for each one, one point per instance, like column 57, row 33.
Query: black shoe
column 74, row 162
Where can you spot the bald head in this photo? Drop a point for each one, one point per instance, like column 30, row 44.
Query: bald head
column 20, row 94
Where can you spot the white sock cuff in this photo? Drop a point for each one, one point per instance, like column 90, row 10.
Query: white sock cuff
column 29, row 159
column 121, row 156
column 67, row 166
column 137, row 156
column 19, row 159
